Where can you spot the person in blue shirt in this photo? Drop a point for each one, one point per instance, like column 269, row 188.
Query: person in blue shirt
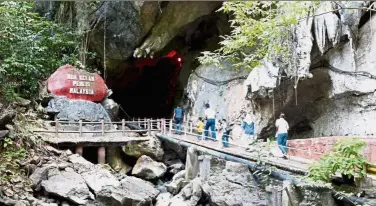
column 178, row 119
column 248, row 127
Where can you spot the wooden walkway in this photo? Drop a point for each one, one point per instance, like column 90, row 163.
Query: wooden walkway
column 108, row 134
column 268, row 154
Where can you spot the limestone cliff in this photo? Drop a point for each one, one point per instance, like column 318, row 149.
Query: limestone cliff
column 337, row 98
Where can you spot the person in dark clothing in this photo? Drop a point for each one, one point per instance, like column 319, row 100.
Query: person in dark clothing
column 226, row 133
column 178, row 119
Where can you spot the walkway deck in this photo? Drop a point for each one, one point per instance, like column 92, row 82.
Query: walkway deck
column 292, row 164
column 107, row 140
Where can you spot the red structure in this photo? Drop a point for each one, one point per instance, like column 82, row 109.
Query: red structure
column 314, row 148
column 77, row 84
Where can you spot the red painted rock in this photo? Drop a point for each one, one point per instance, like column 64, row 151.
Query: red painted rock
column 77, row 84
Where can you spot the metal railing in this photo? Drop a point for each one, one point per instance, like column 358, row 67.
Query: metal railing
column 149, row 125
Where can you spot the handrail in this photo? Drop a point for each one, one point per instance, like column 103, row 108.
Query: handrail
column 151, row 125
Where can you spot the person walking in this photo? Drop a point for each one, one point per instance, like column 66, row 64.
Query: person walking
column 200, row 128
column 178, row 119
column 226, row 133
column 282, row 133
column 248, row 127
column 210, row 121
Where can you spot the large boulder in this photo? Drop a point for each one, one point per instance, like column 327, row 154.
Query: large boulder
column 112, row 108
column 115, row 160
column 151, row 148
column 67, row 184
column 163, row 199
column 98, row 178
column 232, row 186
column 132, row 191
column 147, row 168
column 75, row 110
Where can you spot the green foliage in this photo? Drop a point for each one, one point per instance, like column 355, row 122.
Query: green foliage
column 31, row 49
column 346, row 159
column 260, row 29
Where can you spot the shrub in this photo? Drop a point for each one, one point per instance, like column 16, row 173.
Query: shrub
column 31, row 49
column 346, row 159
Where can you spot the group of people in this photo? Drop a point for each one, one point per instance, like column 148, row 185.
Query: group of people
column 248, row 128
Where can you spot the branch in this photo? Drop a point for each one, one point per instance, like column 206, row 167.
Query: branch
column 355, row 8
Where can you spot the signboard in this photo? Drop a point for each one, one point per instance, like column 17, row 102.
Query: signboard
column 77, row 84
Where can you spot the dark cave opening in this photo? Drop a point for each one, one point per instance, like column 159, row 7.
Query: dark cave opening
column 146, row 88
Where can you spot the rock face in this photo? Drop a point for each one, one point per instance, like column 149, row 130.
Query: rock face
column 335, row 97
column 147, row 168
column 151, row 148
column 225, row 99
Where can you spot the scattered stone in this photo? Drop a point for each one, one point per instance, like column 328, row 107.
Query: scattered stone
column 163, row 199
column 9, row 127
column 176, row 166
column 22, row 102
column 190, row 194
column 53, row 150
column 147, row 168
column 3, row 134
column 151, row 148
column 6, row 116
column 175, row 186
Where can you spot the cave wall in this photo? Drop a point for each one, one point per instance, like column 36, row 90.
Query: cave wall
column 326, row 104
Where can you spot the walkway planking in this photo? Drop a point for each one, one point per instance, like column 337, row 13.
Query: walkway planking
column 292, row 164
column 107, row 140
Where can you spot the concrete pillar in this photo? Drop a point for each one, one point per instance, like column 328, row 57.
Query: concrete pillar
column 204, row 167
column 102, row 155
column 192, row 164
column 274, row 196
column 79, row 150
column 290, row 195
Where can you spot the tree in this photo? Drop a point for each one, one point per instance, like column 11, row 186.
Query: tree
column 31, row 48
column 260, row 29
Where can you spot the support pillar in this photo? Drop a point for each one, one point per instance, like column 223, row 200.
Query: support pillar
column 191, row 164
column 102, row 155
column 79, row 150
column 204, row 167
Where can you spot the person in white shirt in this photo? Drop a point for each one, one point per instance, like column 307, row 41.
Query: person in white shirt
column 282, row 133
column 210, row 121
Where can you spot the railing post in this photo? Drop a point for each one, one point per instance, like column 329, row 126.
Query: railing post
column 185, row 129
column 159, row 124
column 149, row 127
column 102, row 121
column 162, row 126
column 191, row 128
column 123, row 126
column 170, row 126
column 139, row 122
column 56, row 127
column 80, row 127
column 145, row 123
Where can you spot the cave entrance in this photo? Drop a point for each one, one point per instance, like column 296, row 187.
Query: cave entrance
column 146, row 88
